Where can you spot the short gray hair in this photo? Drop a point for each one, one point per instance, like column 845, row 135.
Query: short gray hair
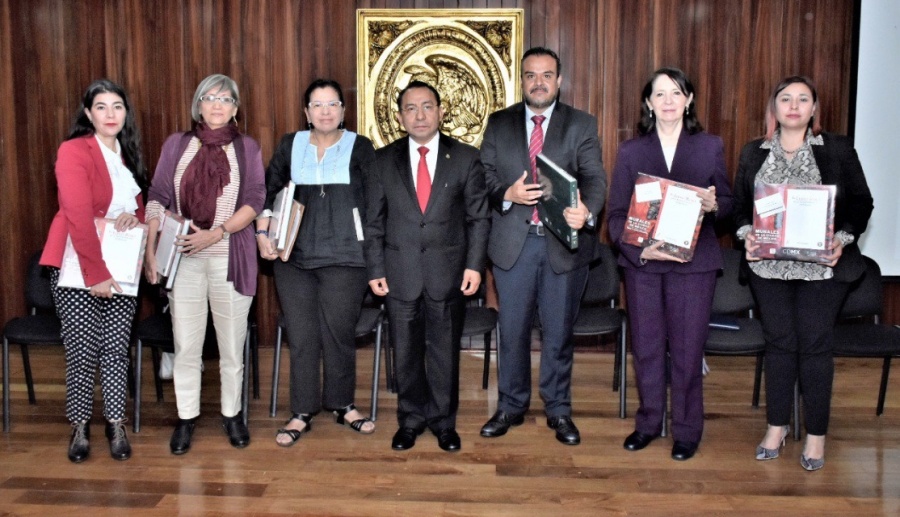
column 216, row 82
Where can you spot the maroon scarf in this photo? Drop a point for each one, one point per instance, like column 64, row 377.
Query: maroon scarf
column 208, row 173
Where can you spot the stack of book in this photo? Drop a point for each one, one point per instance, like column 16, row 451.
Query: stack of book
column 168, row 256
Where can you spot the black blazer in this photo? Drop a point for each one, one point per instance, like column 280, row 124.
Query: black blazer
column 839, row 165
column 571, row 141
column 427, row 252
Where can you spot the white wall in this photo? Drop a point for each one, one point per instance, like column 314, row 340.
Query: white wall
column 877, row 137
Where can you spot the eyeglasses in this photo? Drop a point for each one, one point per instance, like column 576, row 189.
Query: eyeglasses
column 222, row 100
column 414, row 110
column 322, row 105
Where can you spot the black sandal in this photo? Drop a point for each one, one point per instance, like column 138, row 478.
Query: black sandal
column 356, row 425
column 293, row 433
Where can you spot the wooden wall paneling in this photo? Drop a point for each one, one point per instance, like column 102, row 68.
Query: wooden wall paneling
column 12, row 257
column 734, row 51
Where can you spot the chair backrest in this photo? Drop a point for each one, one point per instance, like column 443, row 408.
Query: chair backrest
column 865, row 297
column 730, row 296
column 38, row 293
column 603, row 278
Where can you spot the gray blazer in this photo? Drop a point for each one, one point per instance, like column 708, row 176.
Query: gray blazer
column 571, row 141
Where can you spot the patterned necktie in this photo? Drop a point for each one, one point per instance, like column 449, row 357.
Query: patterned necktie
column 534, row 148
column 423, row 180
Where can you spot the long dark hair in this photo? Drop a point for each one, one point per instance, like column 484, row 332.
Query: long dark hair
column 129, row 138
column 772, row 122
column 690, row 121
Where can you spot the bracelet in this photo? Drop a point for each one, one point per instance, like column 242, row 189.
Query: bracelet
column 262, row 232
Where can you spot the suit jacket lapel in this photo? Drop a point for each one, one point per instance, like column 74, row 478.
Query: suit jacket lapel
column 656, row 160
column 680, row 162
column 553, row 136
column 99, row 161
column 521, row 140
column 442, row 170
column 404, row 169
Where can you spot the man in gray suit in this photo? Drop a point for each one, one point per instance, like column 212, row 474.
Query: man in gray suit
column 534, row 271
column 426, row 236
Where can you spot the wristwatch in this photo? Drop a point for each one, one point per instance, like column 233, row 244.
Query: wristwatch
column 225, row 233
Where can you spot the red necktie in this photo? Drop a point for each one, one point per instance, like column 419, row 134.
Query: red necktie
column 423, row 180
column 534, row 149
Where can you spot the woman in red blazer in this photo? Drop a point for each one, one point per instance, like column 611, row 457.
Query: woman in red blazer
column 99, row 173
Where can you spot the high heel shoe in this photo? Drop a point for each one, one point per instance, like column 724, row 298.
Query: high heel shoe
column 763, row 454
column 356, row 425
column 811, row 464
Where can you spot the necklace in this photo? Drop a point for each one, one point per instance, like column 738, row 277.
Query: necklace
column 334, row 161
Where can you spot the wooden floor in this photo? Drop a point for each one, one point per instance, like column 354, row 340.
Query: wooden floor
column 333, row 471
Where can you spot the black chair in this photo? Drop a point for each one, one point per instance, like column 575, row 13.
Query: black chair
column 481, row 321
column 733, row 304
column 371, row 320
column 156, row 332
column 600, row 314
column 860, row 332
column 39, row 327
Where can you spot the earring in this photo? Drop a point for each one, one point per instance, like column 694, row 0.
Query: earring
column 309, row 126
column 687, row 109
column 341, row 125
column 651, row 113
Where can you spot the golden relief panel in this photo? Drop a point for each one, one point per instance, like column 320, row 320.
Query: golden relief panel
column 471, row 56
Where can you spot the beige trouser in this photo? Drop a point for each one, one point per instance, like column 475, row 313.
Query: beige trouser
column 201, row 281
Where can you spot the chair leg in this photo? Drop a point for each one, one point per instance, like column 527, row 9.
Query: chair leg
column 487, row 361
column 156, row 380
column 136, row 425
column 29, row 380
column 882, row 392
column 276, row 368
column 245, row 391
column 5, row 385
column 130, row 374
column 757, row 379
column 376, row 372
column 623, row 369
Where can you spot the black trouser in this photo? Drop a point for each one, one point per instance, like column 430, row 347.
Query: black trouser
column 321, row 307
column 798, row 318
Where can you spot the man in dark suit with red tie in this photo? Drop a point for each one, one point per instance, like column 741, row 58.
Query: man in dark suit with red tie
column 426, row 237
column 535, row 272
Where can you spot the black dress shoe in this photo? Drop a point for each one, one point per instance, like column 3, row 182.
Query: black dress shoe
column 181, row 437
column 500, row 423
column 404, row 438
column 119, row 448
column 684, row 450
column 566, row 432
column 237, row 432
column 80, row 443
column 448, row 439
column 638, row 440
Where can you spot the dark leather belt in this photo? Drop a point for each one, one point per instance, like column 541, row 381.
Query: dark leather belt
column 536, row 229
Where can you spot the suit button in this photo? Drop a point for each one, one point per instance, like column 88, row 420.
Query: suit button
column 421, row 225
column 423, row 250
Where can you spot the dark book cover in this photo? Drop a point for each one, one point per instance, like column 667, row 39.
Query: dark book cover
column 560, row 192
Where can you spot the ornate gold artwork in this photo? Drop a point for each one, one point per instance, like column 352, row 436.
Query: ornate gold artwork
column 471, row 56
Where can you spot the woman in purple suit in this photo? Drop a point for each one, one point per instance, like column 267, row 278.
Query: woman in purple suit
column 669, row 299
